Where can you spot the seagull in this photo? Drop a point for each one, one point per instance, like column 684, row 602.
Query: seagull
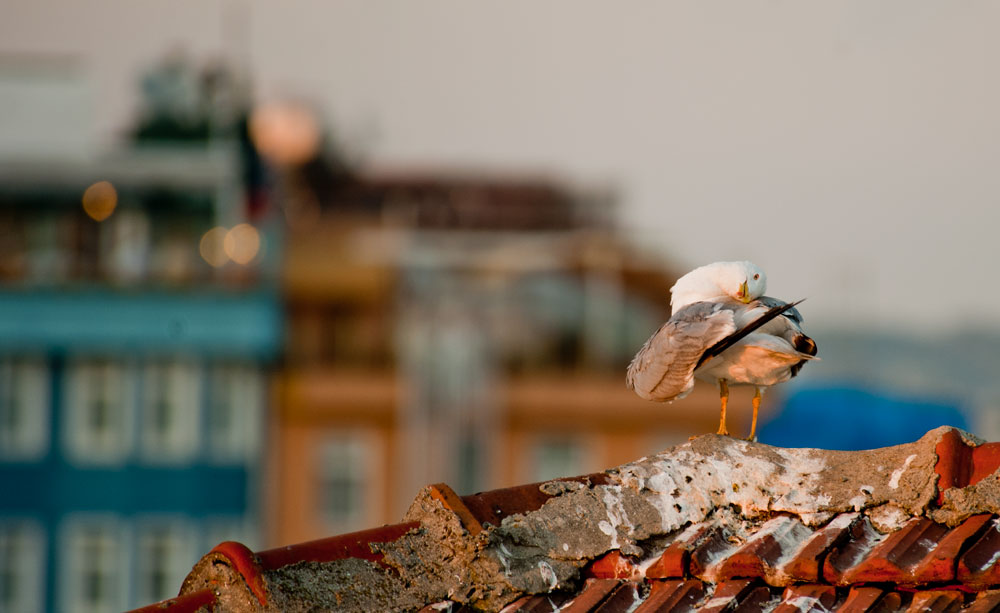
column 722, row 329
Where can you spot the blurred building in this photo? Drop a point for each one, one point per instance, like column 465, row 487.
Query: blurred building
column 472, row 330
column 135, row 347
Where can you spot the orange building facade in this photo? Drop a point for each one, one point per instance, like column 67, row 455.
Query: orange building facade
column 462, row 345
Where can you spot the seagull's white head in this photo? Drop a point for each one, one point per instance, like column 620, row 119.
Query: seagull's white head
column 742, row 281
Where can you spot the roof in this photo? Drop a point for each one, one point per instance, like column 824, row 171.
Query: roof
column 714, row 524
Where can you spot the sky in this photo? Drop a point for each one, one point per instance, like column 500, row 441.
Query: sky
column 848, row 148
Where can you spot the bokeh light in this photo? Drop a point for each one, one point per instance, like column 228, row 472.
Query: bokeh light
column 100, row 200
column 242, row 243
column 285, row 133
column 212, row 247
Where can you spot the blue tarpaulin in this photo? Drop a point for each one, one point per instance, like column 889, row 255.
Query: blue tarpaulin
column 849, row 418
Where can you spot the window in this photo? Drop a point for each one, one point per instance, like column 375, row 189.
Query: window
column 48, row 257
column 24, row 409
column 234, row 412
column 94, row 566
column 99, row 411
column 171, row 398
column 22, row 564
column 557, row 457
column 345, row 472
column 126, row 240
column 165, row 552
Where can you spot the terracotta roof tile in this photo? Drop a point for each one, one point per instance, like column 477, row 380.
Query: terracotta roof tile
column 755, row 600
column 709, row 553
column 939, row 565
column 808, row 597
column 724, row 561
column 764, row 552
column 493, row 506
column 673, row 562
column 612, row 565
column 361, row 545
column 843, row 557
column 892, row 559
column 960, row 464
column 861, row 599
column 728, row 594
column 595, row 593
column 984, row 602
column 805, row 563
column 936, row 601
column 978, row 567
column 672, row 595
column 622, row 599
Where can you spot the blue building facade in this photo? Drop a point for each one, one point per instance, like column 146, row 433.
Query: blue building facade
column 134, row 363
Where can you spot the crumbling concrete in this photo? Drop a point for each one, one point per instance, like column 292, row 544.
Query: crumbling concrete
column 735, row 484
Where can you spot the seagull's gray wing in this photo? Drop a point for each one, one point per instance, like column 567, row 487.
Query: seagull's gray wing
column 791, row 313
column 664, row 368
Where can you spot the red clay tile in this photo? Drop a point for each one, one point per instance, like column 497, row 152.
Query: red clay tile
column 804, row 565
column 843, row 557
column 860, row 600
column 352, row 545
column 451, row 501
column 594, row 592
column 494, row 505
column 246, row 564
column 673, row 562
column 808, row 597
column 612, row 565
column 954, row 462
column 708, row 554
column 939, row 564
column 960, row 465
column 978, row 567
column 675, row 596
column 936, row 601
column 622, row 600
column 727, row 594
column 985, row 461
column 755, row 601
column 894, row 558
column 195, row 602
column 776, row 540
column 889, row 603
column 985, row 602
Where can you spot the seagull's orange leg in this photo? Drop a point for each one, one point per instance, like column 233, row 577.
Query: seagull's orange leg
column 756, row 407
column 723, row 400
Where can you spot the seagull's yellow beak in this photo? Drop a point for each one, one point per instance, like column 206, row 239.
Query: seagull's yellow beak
column 744, row 293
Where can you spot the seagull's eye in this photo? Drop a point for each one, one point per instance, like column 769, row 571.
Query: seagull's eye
column 756, row 276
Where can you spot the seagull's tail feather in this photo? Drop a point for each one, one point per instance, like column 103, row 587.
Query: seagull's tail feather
column 804, row 344
column 807, row 350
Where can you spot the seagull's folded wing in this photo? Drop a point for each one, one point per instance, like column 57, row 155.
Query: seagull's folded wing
column 663, row 369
